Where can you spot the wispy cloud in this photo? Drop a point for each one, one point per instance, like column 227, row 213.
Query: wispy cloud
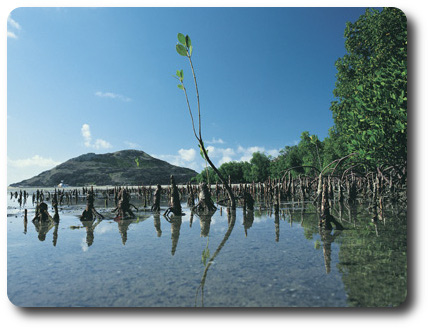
column 11, row 35
column 98, row 144
column 246, row 153
column 132, row 145
column 215, row 141
column 183, row 158
column 14, row 25
column 111, row 95
column 25, row 168
column 102, row 144
column 36, row 160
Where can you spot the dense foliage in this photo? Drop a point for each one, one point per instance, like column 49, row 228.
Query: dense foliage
column 371, row 89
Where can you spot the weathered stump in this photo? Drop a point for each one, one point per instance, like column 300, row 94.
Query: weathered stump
column 156, row 199
column 205, row 204
column 175, row 201
column 90, row 212
column 123, row 208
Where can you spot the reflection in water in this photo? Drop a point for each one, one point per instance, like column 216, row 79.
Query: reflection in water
column 191, row 219
column 327, row 238
column 157, row 224
column 42, row 228
column 276, row 227
column 123, row 228
column 375, row 273
column 231, row 222
column 205, row 224
column 175, row 228
column 89, row 226
column 369, row 257
column 248, row 220
column 55, row 234
column 25, row 221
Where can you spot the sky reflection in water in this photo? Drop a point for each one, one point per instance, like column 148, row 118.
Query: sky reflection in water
column 260, row 260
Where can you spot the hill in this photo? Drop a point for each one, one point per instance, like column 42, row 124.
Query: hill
column 126, row 167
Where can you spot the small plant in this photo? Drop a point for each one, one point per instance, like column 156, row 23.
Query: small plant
column 206, row 254
column 184, row 48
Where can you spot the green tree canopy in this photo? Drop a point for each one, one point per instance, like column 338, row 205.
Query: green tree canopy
column 371, row 88
column 289, row 157
column 234, row 170
column 311, row 150
column 334, row 146
column 259, row 169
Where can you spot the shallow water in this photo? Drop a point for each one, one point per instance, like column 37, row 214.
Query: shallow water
column 260, row 260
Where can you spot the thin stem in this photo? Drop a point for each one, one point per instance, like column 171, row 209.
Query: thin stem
column 226, row 185
column 197, row 94
column 189, row 109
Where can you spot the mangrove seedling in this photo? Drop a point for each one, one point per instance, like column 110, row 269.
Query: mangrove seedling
column 184, row 48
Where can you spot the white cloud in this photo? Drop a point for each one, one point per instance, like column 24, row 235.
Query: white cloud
column 184, row 158
column 113, row 96
column 99, row 144
column 221, row 155
column 187, row 155
column 102, row 144
column 13, row 23
column 215, row 141
column 247, row 152
column 11, row 35
column 21, row 169
column 36, row 160
column 86, row 134
column 132, row 145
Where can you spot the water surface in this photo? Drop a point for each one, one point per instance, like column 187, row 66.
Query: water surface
column 261, row 259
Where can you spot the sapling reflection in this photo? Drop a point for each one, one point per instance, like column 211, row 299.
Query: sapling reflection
column 184, row 48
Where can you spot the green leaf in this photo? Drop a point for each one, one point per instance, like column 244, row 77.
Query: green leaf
column 181, row 39
column 181, row 50
column 360, row 88
column 181, row 87
column 188, row 41
column 190, row 50
column 201, row 151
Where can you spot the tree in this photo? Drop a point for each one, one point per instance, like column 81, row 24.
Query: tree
column 311, row 151
column 371, row 88
column 289, row 157
column 259, row 170
column 234, row 170
column 334, row 146
column 204, row 174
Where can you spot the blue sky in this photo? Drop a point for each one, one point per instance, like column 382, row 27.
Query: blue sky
column 100, row 80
